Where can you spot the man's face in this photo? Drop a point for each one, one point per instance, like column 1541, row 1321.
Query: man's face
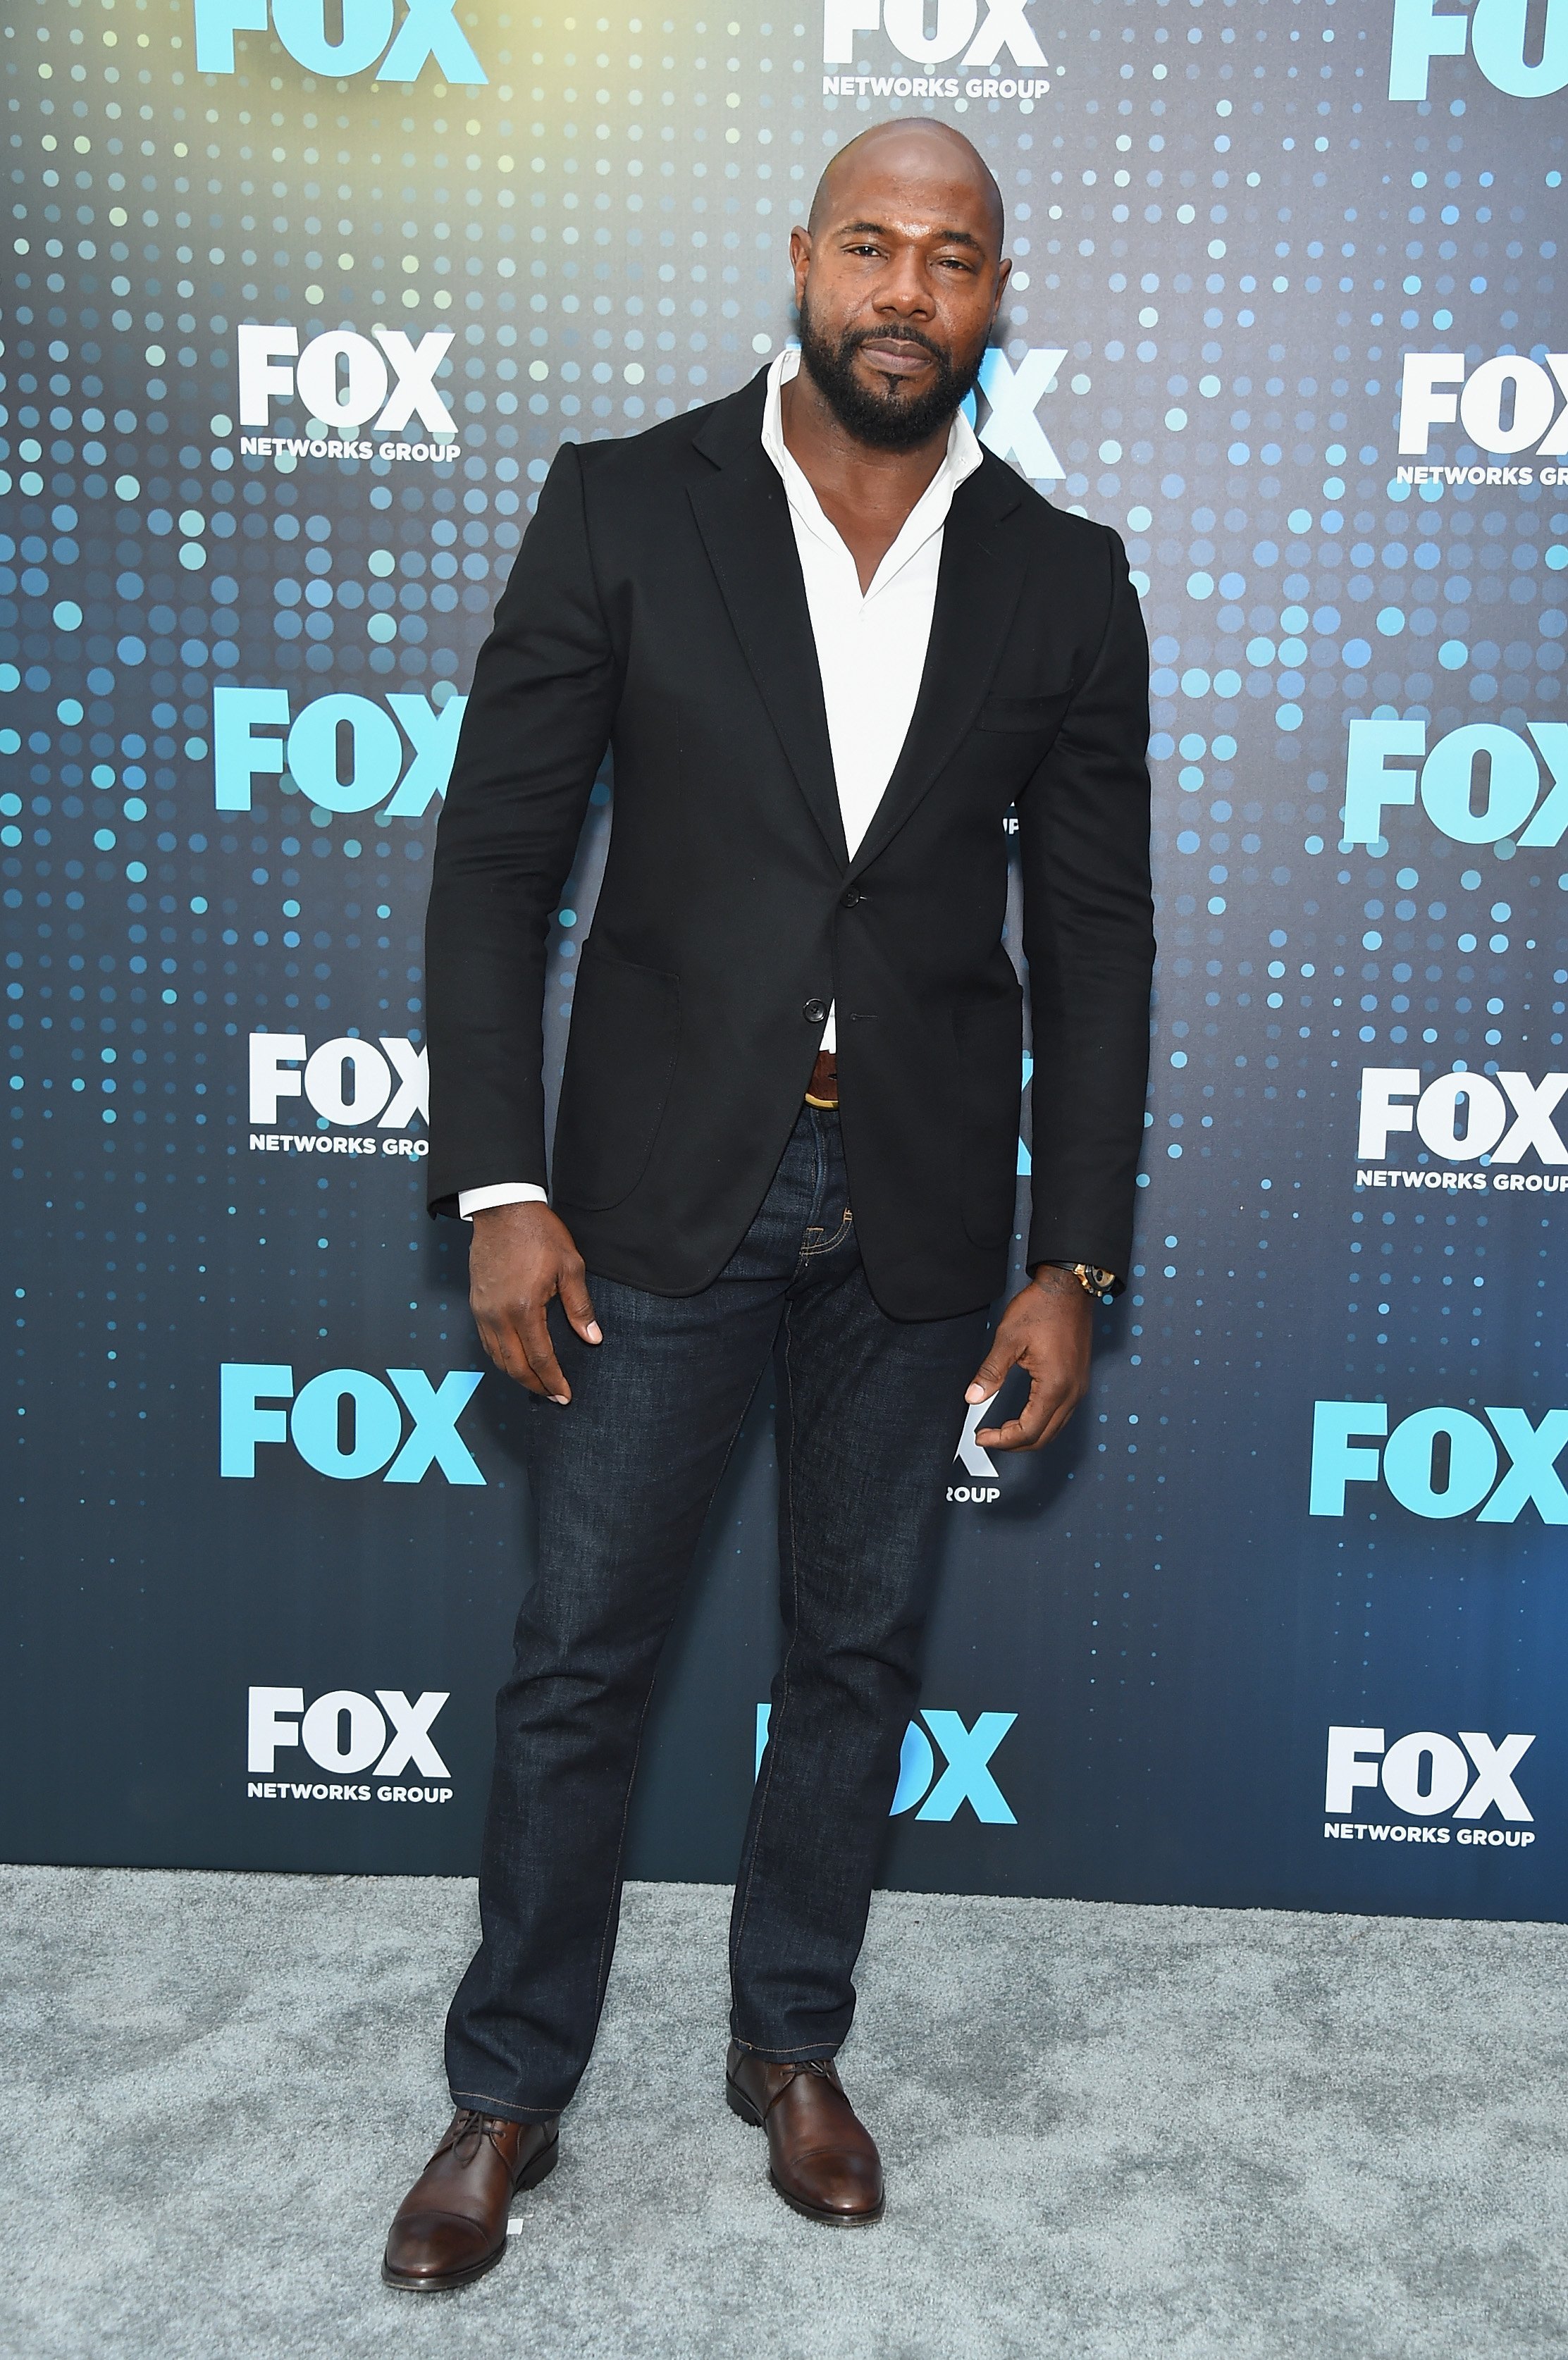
column 897, row 287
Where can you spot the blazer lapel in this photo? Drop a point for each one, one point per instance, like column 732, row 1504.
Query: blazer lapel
column 977, row 588
column 743, row 516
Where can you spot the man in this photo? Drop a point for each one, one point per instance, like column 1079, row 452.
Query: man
column 833, row 645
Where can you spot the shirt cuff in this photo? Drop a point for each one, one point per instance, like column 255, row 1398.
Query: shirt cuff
column 506, row 1192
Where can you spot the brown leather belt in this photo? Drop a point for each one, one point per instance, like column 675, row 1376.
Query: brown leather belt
column 822, row 1090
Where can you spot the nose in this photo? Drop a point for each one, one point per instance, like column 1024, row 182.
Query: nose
column 905, row 290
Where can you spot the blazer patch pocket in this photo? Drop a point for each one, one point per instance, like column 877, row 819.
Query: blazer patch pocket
column 1023, row 712
column 621, row 1060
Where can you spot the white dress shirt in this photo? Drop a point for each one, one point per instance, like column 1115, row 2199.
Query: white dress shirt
column 871, row 646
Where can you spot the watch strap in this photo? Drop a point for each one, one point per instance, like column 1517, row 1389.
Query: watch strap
column 1089, row 1276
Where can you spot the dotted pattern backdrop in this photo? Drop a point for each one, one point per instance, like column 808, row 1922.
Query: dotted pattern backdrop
column 293, row 324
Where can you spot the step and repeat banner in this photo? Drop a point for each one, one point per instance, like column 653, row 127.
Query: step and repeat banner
column 300, row 300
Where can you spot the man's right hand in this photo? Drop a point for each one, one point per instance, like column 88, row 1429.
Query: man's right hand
column 519, row 1256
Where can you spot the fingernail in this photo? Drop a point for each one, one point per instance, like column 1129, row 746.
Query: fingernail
column 975, row 1394
column 561, row 1398
column 592, row 1332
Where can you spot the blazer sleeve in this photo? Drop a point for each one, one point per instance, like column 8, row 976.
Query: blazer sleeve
column 1089, row 940
column 537, row 724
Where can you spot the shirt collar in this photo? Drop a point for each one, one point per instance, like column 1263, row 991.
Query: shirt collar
column 929, row 514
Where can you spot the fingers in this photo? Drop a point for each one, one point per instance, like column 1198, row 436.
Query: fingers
column 504, row 1349
column 1051, row 1403
column 516, row 1340
column 578, row 1305
column 533, row 1336
column 1040, row 1420
column 988, row 1378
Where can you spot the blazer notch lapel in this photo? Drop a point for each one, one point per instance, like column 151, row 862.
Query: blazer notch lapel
column 743, row 516
column 980, row 578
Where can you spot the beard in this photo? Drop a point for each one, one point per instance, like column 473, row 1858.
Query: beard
column 893, row 419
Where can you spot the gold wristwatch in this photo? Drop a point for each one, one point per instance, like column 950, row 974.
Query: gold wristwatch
column 1090, row 1276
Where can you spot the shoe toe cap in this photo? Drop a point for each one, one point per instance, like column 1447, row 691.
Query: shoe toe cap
column 846, row 2184
column 434, row 2245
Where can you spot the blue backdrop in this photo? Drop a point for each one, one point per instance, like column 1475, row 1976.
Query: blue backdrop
column 299, row 304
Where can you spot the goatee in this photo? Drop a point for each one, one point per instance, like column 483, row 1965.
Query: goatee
column 886, row 416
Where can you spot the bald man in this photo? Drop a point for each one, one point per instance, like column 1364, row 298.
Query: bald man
column 843, row 656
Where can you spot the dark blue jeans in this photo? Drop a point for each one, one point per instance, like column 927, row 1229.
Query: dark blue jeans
column 869, row 1412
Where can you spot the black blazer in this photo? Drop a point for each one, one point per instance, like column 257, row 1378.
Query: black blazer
column 657, row 607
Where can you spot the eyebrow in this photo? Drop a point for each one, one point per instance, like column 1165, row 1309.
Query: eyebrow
column 942, row 236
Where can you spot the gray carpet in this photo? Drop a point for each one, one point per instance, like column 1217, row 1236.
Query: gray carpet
column 1117, row 2131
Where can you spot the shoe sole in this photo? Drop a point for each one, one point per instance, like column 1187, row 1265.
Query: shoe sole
column 740, row 2104
column 540, row 2169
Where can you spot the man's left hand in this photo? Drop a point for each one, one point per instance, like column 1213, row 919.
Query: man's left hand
column 1048, row 1329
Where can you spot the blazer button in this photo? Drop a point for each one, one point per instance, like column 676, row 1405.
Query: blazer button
column 814, row 1012
column 852, row 899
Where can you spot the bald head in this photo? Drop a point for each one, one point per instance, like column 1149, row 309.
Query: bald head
column 897, row 155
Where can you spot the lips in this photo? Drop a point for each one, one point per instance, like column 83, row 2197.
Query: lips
column 896, row 359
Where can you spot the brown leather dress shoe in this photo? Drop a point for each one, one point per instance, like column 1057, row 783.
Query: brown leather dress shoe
column 451, row 2228
column 821, row 2158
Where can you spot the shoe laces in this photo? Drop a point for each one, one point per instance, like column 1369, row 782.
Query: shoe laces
column 821, row 2065
column 469, row 2129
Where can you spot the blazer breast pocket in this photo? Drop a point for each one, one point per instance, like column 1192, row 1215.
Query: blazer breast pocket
column 1023, row 713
